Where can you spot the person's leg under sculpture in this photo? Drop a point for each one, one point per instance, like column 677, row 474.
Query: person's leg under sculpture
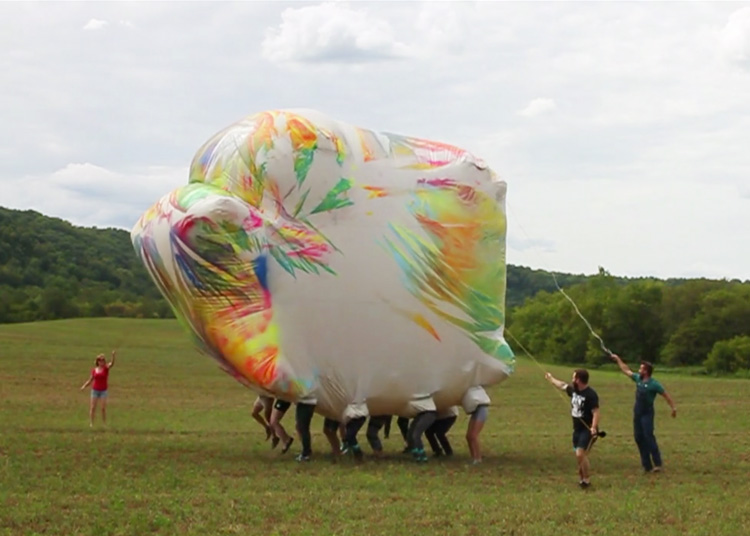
column 373, row 428
column 403, row 426
column 431, row 436
column 441, row 428
column 417, row 429
column 352, row 429
column 330, row 430
column 303, row 418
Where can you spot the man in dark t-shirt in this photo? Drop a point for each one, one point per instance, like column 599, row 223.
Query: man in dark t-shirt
column 584, row 408
column 646, row 389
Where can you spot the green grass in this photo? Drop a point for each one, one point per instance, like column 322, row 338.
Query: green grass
column 182, row 456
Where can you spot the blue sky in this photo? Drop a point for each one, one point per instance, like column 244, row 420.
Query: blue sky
column 622, row 129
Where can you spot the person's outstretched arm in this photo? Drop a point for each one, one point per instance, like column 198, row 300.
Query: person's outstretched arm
column 623, row 367
column 88, row 382
column 554, row 381
column 112, row 363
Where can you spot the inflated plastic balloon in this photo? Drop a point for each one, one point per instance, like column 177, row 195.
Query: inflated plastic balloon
column 320, row 261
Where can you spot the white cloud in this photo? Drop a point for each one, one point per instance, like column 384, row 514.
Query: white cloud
column 90, row 195
column 95, row 24
column 538, row 107
column 735, row 38
column 330, row 32
column 640, row 167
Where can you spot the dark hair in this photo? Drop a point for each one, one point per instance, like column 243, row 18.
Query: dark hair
column 582, row 375
column 649, row 367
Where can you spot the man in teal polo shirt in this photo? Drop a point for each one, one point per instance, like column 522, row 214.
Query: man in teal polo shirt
column 646, row 389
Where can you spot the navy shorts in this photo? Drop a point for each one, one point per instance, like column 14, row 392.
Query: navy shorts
column 281, row 405
column 582, row 439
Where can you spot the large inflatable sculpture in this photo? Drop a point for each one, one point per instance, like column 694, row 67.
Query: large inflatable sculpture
column 315, row 260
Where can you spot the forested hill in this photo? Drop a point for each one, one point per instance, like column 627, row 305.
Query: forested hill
column 52, row 269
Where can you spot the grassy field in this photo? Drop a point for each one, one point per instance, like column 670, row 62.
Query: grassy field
column 180, row 454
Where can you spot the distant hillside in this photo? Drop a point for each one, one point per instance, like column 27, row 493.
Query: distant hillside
column 52, row 269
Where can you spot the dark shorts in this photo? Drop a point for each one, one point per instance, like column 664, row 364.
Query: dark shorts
column 330, row 425
column 281, row 405
column 582, row 439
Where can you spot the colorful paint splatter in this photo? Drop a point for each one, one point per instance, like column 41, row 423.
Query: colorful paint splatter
column 264, row 193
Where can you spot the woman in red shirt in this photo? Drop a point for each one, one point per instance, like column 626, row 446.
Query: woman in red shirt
column 99, row 377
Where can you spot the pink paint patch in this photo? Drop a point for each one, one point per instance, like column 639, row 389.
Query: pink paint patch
column 439, row 183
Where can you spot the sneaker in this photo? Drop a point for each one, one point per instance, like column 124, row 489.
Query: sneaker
column 274, row 442
column 269, row 432
column 357, row 452
column 656, row 469
column 285, row 448
column 344, row 448
column 407, row 450
column 476, row 462
column 302, row 458
column 584, row 484
column 437, row 454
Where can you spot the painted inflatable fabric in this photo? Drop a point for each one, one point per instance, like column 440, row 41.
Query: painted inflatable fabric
column 315, row 259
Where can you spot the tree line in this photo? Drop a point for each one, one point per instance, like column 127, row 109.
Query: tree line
column 694, row 322
column 51, row 269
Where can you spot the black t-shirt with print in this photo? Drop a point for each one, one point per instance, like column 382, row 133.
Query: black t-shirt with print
column 582, row 405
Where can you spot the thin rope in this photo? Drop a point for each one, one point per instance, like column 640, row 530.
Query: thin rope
column 575, row 307
column 537, row 363
column 578, row 312
column 557, row 390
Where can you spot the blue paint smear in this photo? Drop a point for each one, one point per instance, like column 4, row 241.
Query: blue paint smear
column 260, row 266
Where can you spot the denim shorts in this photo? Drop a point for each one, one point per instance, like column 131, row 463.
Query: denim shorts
column 582, row 439
column 95, row 393
column 480, row 414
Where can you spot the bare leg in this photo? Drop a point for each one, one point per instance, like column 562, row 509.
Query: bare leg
column 333, row 438
column 267, row 409
column 278, row 429
column 104, row 411
column 92, row 411
column 257, row 409
column 472, row 438
column 584, row 466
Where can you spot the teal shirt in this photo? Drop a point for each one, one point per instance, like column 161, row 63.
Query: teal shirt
column 645, row 393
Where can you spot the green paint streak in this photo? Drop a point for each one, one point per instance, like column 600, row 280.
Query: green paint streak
column 332, row 201
column 302, row 162
column 301, row 203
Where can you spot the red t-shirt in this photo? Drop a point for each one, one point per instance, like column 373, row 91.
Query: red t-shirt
column 100, row 375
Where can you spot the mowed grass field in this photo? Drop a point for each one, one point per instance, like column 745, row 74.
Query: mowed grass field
column 181, row 455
